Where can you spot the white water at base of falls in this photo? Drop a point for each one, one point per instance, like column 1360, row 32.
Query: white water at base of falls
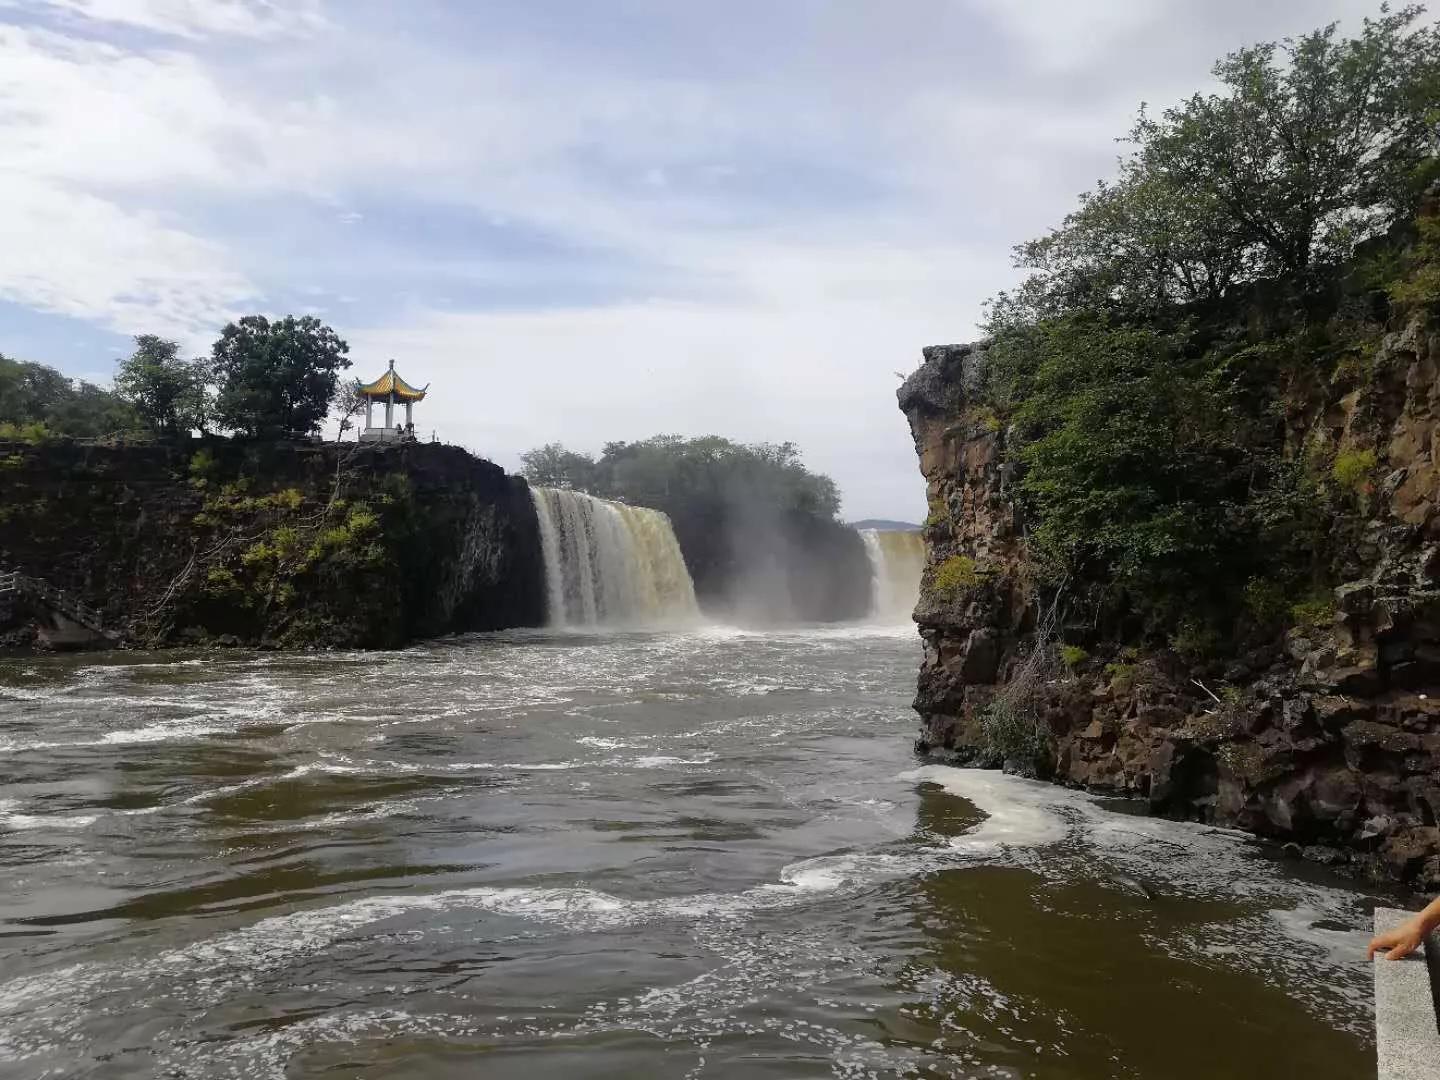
column 610, row 564
column 896, row 562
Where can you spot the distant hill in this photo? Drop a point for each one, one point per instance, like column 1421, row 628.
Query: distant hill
column 885, row 526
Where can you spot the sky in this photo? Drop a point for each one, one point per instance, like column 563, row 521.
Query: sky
column 578, row 221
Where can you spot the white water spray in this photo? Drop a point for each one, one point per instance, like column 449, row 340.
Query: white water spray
column 896, row 561
column 610, row 564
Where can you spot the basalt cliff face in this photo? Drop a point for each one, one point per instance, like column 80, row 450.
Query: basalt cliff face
column 1326, row 738
column 274, row 544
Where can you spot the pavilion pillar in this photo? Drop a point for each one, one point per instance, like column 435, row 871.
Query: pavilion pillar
column 407, row 413
column 390, row 411
column 369, row 413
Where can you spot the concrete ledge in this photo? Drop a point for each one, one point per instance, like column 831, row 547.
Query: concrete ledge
column 1407, row 1036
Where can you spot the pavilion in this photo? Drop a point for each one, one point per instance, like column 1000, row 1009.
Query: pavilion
column 391, row 390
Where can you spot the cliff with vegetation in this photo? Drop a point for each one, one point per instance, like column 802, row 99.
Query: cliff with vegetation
column 270, row 543
column 1183, row 534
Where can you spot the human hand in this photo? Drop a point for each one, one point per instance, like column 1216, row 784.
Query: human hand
column 1399, row 942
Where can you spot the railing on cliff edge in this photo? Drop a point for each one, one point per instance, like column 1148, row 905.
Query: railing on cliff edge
column 15, row 584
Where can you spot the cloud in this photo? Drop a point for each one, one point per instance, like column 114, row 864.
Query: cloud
column 89, row 113
column 187, row 18
column 153, row 279
column 83, row 121
column 1066, row 35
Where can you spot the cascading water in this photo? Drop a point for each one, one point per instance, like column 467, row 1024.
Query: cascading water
column 896, row 561
column 610, row 564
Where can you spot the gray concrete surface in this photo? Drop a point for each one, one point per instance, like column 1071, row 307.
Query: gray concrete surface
column 1407, row 1039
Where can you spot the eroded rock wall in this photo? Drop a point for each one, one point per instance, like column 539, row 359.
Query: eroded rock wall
column 288, row 544
column 1327, row 738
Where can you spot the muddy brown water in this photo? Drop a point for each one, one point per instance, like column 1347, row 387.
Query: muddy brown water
column 705, row 855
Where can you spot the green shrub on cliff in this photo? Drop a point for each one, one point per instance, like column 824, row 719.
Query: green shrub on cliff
column 1014, row 735
column 1122, row 675
column 1414, row 281
column 1316, row 613
column 955, row 576
column 1131, row 464
column 1352, row 468
column 33, row 434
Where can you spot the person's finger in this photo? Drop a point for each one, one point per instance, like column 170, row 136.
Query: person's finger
column 1375, row 947
column 1400, row 951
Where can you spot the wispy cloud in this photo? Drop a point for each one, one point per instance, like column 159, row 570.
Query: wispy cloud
column 186, row 18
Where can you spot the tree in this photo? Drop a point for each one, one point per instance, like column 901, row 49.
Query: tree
column 672, row 473
column 167, row 392
column 349, row 403
column 1310, row 146
column 554, row 466
column 276, row 379
column 90, row 412
column 1134, row 246
column 1314, row 143
column 28, row 391
column 41, row 399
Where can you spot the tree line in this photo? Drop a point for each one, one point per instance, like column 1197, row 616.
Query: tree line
column 262, row 379
column 676, row 474
column 1255, row 241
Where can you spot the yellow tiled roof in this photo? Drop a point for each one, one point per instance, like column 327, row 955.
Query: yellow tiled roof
column 392, row 383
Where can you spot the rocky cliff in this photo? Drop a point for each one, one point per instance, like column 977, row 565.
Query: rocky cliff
column 288, row 544
column 1325, row 736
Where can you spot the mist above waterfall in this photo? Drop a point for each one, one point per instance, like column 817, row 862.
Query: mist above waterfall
column 897, row 559
column 610, row 564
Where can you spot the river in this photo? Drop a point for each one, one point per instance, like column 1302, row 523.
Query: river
column 546, row 855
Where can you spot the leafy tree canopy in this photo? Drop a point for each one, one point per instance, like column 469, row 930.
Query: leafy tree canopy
column 554, row 466
column 1309, row 146
column 679, row 475
column 276, row 379
column 168, row 393
column 40, row 399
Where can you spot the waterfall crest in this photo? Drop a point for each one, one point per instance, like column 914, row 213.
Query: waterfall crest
column 896, row 562
column 610, row 564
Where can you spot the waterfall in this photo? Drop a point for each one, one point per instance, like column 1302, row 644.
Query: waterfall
column 610, row 564
column 896, row 561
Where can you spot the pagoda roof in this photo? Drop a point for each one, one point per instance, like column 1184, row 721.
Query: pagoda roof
column 391, row 383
